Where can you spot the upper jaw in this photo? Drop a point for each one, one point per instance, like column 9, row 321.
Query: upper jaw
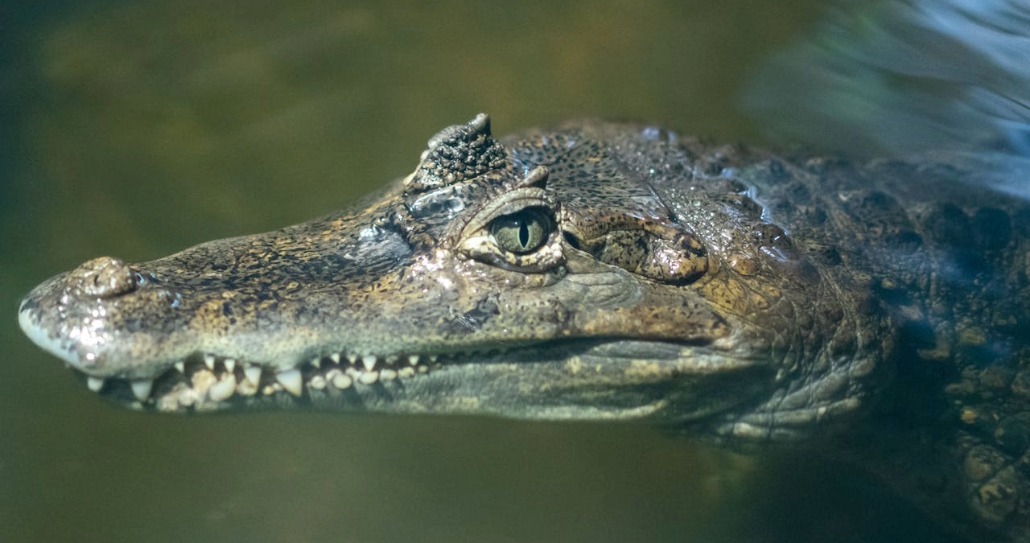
column 397, row 377
column 188, row 370
column 134, row 370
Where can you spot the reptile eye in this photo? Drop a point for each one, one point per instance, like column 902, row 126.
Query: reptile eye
column 522, row 232
column 516, row 231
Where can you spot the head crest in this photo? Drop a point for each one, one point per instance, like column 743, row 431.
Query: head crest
column 457, row 153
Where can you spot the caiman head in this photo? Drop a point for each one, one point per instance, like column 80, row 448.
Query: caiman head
column 596, row 271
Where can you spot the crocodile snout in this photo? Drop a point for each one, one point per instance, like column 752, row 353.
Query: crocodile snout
column 83, row 316
column 103, row 277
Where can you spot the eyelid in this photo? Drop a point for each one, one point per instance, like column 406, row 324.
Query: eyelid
column 511, row 203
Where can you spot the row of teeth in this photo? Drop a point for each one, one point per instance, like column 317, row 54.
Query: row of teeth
column 217, row 378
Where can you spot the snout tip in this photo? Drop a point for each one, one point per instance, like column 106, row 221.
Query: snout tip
column 28, row 320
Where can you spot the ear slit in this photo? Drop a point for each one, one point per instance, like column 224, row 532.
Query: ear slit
column 573, row 241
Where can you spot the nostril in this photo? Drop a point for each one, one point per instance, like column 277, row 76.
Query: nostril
column 103, row 277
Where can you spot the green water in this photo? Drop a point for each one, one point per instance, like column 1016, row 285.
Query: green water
column 139, row 128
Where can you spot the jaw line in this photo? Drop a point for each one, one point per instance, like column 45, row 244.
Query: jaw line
column 448, row 383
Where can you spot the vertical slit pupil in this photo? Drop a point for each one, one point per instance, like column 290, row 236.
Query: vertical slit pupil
column 524, row 233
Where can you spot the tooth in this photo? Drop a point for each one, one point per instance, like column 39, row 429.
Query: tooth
column 368, row 378
column 391, row 359
column 369, row 361
column 223, row 390
column 246, row 388
column 406, row 371
column 95, row 383
column 181, row 366
column 201, row 380
column 316, row 362
column 352, row 358
column 387, row 374
column 335, row 357
column 342, row 381
column 413, row 359
column 252, row 374
column 433, row 357
column 141, row 389
column 230, row 364
column 291, row 381
column 209, row 361
column 317, row 382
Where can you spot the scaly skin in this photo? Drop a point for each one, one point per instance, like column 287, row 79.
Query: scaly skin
column 612, row 271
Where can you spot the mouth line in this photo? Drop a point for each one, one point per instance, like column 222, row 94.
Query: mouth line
column 204, row 381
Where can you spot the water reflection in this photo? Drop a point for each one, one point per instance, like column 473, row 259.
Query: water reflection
column 903, row 77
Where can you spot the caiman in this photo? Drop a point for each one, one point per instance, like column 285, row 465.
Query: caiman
column 875, row 310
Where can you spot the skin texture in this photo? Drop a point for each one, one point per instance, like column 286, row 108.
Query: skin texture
column 604, row 271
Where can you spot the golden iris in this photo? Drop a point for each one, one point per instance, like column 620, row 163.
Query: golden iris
column 522, row 232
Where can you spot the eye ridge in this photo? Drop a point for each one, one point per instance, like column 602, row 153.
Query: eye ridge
column 521, row 232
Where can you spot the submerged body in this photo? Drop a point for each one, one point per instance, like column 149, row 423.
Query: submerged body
column 612, row 271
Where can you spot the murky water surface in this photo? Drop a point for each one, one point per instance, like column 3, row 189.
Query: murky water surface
column 135, row 129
